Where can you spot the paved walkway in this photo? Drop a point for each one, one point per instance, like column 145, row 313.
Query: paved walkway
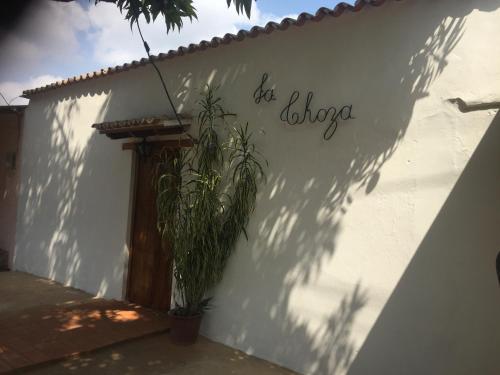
column 19, row 291
column 156, row 355
column 48, row 329
column 42, row 321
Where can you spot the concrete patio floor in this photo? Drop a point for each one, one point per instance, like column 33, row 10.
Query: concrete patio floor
column 19, row 291
column 46, row 328
column 42, row 321
column 156, row 355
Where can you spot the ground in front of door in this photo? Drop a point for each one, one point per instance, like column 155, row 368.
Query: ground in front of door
column 46, row 328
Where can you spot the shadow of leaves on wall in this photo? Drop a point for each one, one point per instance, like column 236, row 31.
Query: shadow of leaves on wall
column 263, row 305
column 66, row 215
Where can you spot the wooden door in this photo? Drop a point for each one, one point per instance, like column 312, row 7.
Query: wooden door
column 150, row 269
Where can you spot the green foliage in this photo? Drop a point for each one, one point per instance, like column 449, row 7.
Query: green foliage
column 172, row 11
column 205, row 197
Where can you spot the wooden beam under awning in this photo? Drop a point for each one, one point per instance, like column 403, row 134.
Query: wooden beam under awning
column 143, row 127
column 167, row 143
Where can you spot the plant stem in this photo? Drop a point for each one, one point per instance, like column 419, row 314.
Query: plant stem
column 146, row 47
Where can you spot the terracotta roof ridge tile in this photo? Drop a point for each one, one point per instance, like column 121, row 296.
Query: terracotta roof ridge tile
column 228, row 38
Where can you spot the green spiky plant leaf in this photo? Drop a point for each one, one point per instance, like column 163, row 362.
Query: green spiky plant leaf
column 205, row 198
column 173, row 12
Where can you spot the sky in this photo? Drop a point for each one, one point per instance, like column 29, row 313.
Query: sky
column 57, row 40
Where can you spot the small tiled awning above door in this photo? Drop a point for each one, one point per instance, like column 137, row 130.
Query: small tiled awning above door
column 143, row 127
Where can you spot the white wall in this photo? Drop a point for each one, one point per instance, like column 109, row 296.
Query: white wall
column 372, row 252
column 73, row 205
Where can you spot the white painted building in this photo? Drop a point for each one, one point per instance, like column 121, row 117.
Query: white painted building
column 372, row 252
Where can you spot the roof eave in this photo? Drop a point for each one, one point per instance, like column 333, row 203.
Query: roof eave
column 254, row 32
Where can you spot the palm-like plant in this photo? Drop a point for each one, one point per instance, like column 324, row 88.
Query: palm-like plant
column 205, row 198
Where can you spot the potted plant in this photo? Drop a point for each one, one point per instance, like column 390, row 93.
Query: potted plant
column 205, row 197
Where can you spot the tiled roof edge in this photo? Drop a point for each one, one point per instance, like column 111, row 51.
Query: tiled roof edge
column 255, row 31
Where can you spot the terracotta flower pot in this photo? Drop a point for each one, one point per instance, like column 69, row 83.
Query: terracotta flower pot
column 184, row 329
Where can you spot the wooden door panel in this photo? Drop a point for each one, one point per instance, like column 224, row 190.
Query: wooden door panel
column 163, row 276
column 150, row 278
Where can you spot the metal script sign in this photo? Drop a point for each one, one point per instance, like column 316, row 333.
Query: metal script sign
column 298, row 111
